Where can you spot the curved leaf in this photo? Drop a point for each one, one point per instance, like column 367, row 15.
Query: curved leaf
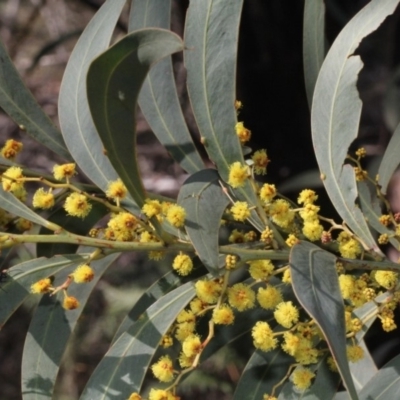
column 18, row 102
column 316, row 286
column 385, row 384
column 336, row 112
column 390, row 161
column 204, row 203
column 14, row 206
column 313, row 43
column 76, row 123
column 49, row 332
column 20, row 277
column 113, row 84
column 123, row 368
column 70, row 224
column 158, row 99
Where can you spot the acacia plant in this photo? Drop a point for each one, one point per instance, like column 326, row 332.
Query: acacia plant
column 303, row 288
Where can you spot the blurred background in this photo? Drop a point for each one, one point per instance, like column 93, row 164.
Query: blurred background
column 39, row 36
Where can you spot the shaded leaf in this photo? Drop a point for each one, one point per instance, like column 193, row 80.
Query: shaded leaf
column 76, row 123
column 336, row 113
column 18, row 102
column 49, row 333
column 313, row 43
column 316, row 286
column 158, row 99
column 113, row 90
column 390, row 161
column 204, row 203
column 20, row 277
column 385, row 384
column 123, row 368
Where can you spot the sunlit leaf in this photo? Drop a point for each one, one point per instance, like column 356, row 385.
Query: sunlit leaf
column 385, row 384
column 336, row 111
column 315, row 283
column 49, row 333
column 158, row 99
column 113, row 91
column 18, row 102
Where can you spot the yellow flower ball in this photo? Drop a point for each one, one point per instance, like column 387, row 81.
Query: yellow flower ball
column 223, row 315
column 83, row 274
column 238, row 174
column 77, row 205
column 286, row 314
column 241, row 297
column 263, row 336
column 182, row 264
column 176, row 215
column 70, row 303
column 64, row 171
column 163, row 369
column 42, row 286
column 43, row 199
column 302, row 377
column 240, row 211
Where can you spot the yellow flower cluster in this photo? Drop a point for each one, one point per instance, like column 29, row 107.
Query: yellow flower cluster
column 11, row 149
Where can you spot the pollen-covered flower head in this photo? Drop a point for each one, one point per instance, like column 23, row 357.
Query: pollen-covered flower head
column 223, row 315
column 77, row 205
column 122, row 227
column 43, row 199
column 302, row 377
column 116, row 190
column 260, row 269
column 70, row 303
column 386, row 279
column 151, row 208
column 348, row 246
column 307, row 196
column 240, row 211
column 176, row 215
column 312, row 229
column 263, row 336
column 11, row 149
column 355, row 353
column 208, row 291
column 241, row 296
column 12, row 179
column 182, row 264
column 238, row 174
column 160, row 394
column 83, row 274
column 281, row 213
column 267, row 192
column 243, row 133
column 286, row 314
column 42, row 286
column 64, row 171
column 261, row 161
column 163, row 369
column 135, row 396
column 269, row 297
column 192, row 345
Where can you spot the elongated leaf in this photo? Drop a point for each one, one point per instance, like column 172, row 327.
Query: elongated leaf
column 158, row 98
column 48, row 335
column 113, row 83
column 390, row 161
column 11, row 204
column 316, row 285
column 70, row 224
column 336, row 112
column 21, row 276
column 123, row 368
column 18, row 102
column 211, row 38
column 204, row 203
column 313, row 43
column 385, row 384
column 76, row 123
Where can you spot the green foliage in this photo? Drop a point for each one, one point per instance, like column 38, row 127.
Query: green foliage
column 330, row 296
